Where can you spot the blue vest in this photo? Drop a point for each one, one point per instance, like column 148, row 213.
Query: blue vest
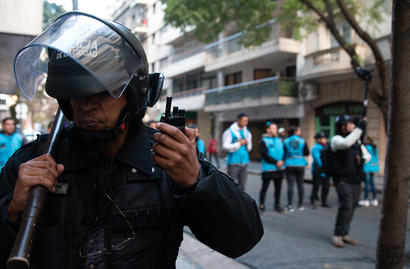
column 275, row 150
column 200, row 145
column 317, row 160
column 241, row 156
column 373, row 165
column 8, row 145
column 294, row 151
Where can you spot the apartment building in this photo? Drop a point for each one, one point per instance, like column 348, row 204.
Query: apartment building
column 286, row 81
column 328, row 86
column 20, row 22
column 215, row 82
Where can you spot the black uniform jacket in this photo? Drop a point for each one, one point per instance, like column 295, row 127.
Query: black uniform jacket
column 89, row 222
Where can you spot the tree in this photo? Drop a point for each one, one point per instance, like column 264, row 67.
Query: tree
column 393, row 223
column 51, row 11
column 210, row 17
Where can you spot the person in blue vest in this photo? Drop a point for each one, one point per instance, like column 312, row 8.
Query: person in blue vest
column 200, row 145
column 237, row 141
column 295, row 150
column 10, row 141
column 319, row 178
column 369, row 170
column 272, row 151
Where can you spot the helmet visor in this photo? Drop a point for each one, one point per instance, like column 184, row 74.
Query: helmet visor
column 76, row 41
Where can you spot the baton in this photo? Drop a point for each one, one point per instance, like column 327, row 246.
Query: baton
column 20, row 254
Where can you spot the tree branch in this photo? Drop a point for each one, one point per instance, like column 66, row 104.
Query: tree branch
column 369, row 41
column 349, row 48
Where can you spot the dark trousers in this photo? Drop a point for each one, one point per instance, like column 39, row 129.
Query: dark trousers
column 318, row 180
column 369, row 183
column 295, row 174
column 267, row 177
column 348, row 195
column 239, row 173
column 214, row 156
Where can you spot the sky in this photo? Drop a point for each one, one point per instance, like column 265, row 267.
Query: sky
column 100, row 8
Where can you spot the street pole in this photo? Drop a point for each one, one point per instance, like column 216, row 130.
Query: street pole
column 75, row 5
column 393, row 223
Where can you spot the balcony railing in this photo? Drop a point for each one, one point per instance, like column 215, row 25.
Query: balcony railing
column 188, row 93
column 232, row 44
column 257, row 89
column 184, row 52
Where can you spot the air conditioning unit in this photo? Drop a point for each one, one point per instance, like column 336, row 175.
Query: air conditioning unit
column 309, row 91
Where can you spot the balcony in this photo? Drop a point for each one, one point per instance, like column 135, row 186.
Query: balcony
column 184, row 59
column 336, row 61
column 267, row 91
column 192, row 99
column 229, row 51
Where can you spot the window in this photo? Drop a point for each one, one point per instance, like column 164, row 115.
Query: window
column 209, row 82
column 154, row 8
column 163, row 62
column 152, row 67
column 233, row 78
column 192, row 82
column 346, row 32
column 153, row 38
column 178, row 85
column 262, row 73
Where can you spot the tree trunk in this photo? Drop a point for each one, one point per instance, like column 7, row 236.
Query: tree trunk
column 392, row 234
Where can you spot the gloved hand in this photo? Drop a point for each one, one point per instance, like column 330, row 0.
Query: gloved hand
column 362, row 123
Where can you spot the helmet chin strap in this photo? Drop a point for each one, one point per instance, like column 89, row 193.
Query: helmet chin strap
column 104, row 135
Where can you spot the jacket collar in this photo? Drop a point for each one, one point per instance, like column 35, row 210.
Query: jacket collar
column 136, row 150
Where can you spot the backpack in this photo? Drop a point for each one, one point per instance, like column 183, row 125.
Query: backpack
column 326, row 156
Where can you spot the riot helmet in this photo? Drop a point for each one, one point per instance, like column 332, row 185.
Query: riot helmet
column 81, row 55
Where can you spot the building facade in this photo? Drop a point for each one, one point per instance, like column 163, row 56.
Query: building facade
column 290, row 82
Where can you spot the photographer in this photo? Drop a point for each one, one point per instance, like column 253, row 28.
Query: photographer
column 347, row 159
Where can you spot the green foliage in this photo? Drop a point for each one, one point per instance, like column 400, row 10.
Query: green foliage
column 51, row 11
column 210, row 17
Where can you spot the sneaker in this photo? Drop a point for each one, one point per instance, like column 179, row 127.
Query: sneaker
column 338, row 241
column 262, row 208
column 301, row 208
column 290, row 209
column 374, row 202
column 349, row 240
column 364, row 203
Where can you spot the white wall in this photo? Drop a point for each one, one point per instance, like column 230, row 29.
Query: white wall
column 21, row 16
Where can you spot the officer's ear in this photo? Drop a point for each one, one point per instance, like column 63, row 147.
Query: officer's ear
column 156, row 81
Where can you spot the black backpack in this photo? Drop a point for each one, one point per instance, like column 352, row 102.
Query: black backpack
column 327, row 156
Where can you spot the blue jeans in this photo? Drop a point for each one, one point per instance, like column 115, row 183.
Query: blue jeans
column 369, row 183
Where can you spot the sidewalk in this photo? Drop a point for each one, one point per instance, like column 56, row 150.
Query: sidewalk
column 195, row 255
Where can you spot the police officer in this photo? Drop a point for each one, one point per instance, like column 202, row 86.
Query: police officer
column 319, row 178
column 347, row 159
column 272, row 151
column 120, row 192
column 295, row 150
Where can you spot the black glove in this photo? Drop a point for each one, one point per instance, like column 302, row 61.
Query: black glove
column 362, row 124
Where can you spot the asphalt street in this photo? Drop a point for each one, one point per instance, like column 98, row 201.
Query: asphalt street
column 302, row 239
column 298, row 240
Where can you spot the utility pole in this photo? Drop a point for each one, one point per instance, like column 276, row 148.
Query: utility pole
column 393, row 223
